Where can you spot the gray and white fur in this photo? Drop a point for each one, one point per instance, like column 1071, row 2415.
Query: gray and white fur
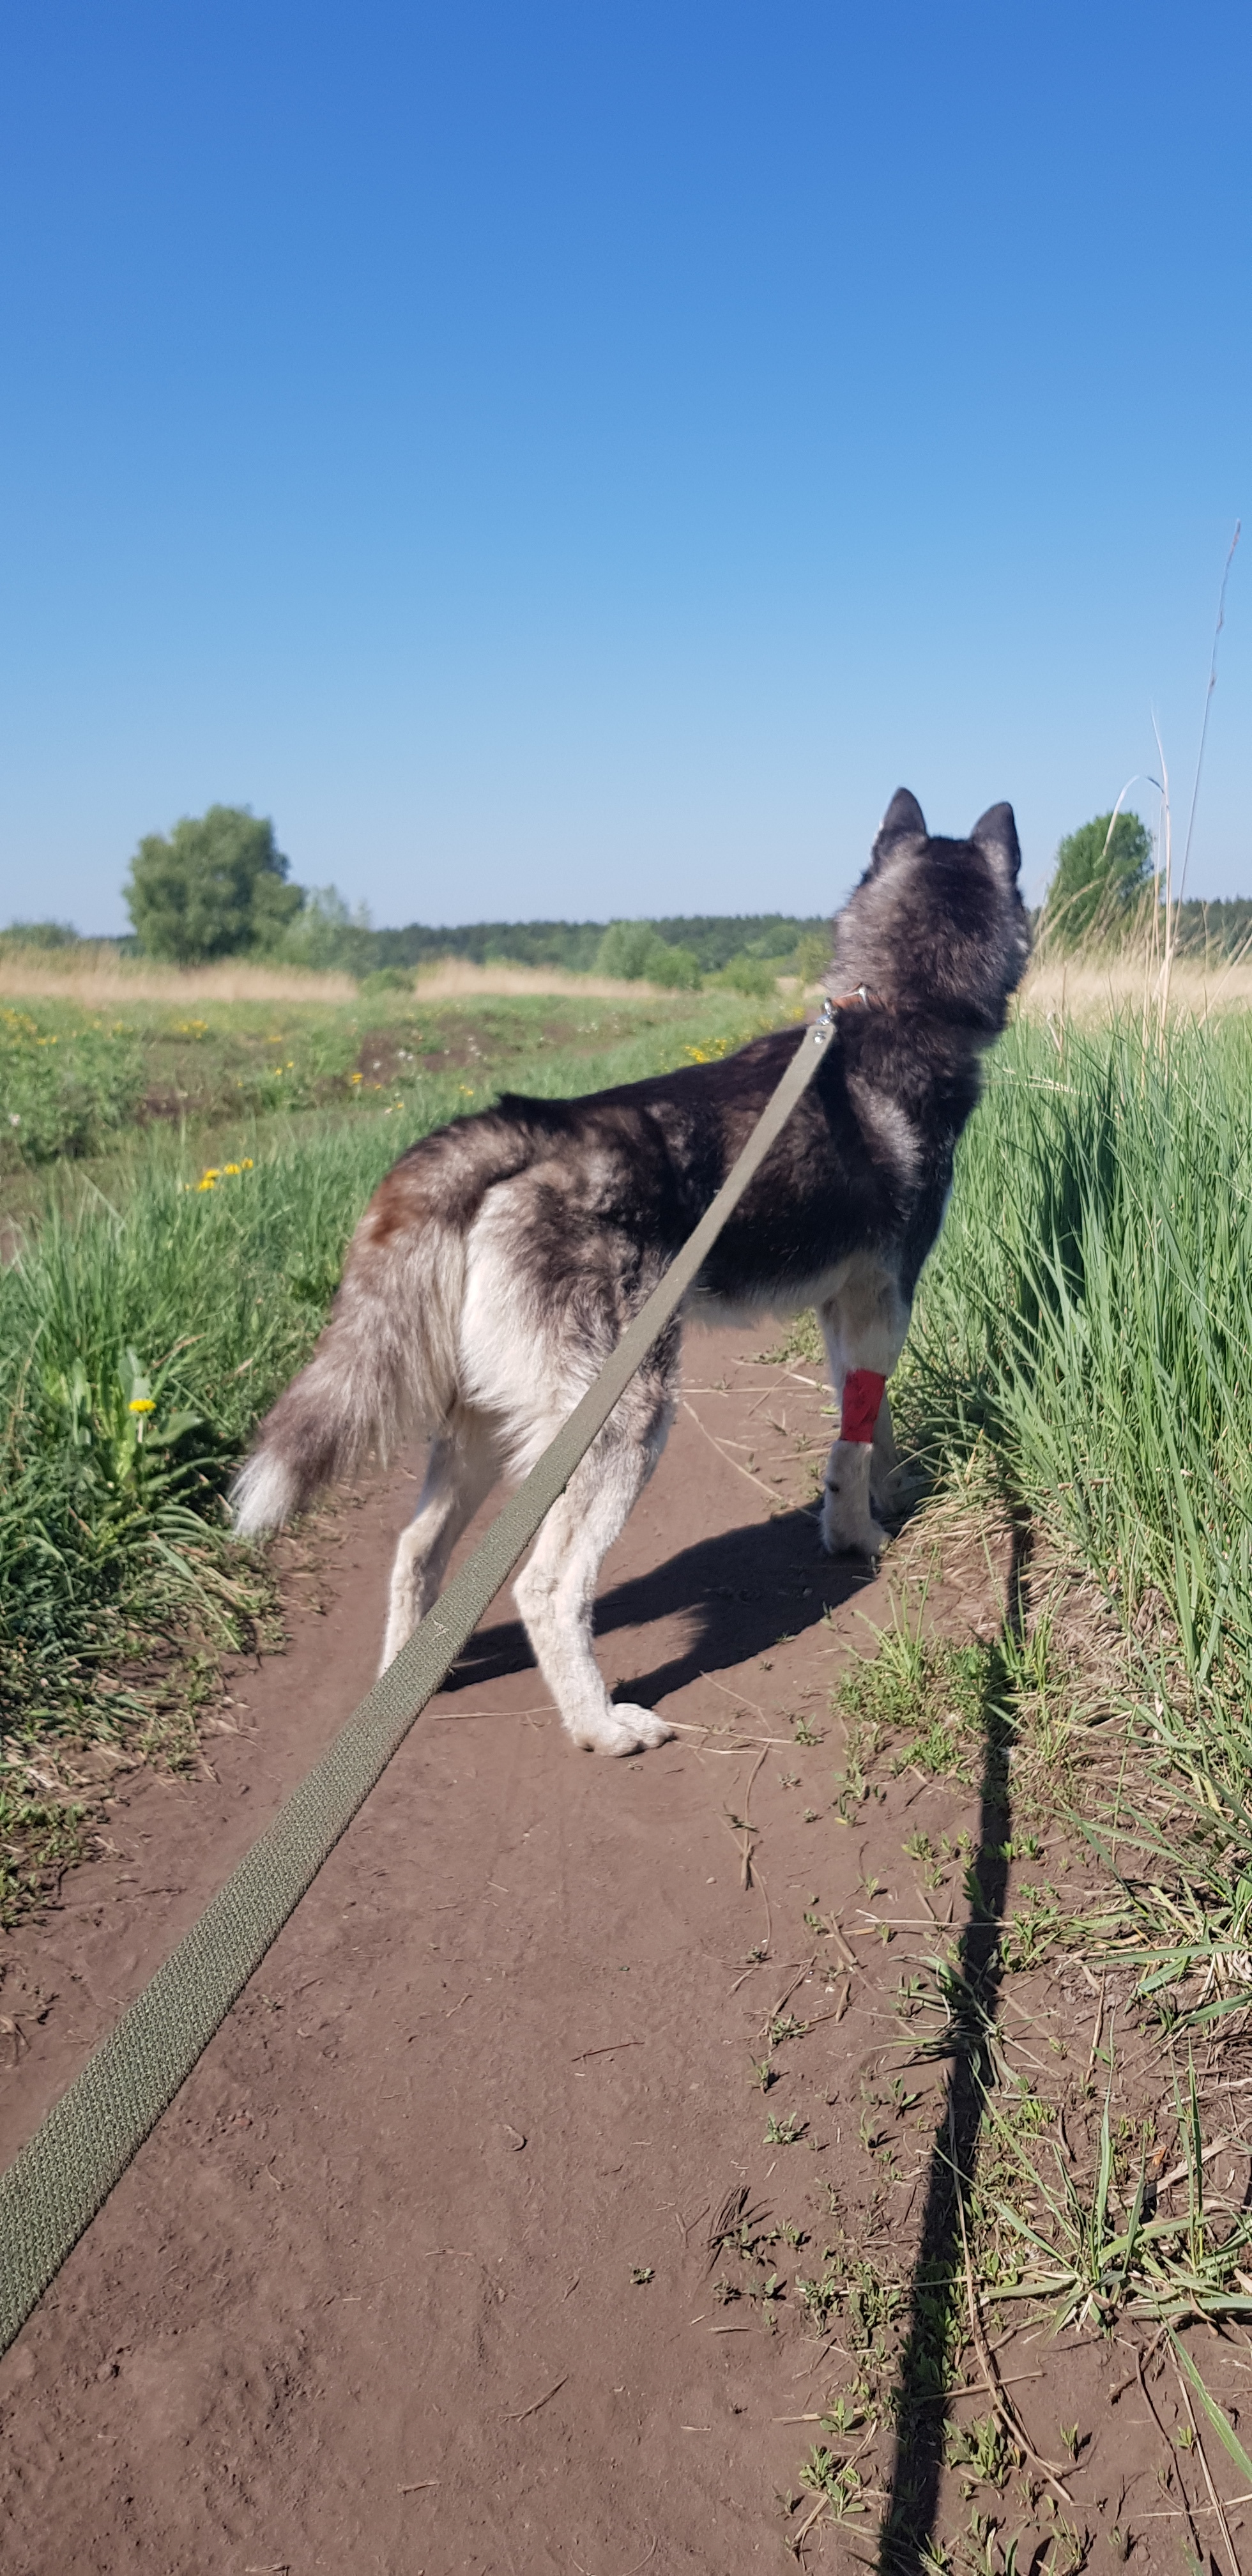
column 501, row 1259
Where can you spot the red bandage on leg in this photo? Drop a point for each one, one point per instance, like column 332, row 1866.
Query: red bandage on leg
column 863, row 1391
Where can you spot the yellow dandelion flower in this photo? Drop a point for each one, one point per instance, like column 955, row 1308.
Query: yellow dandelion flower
column 142, row 1404
column 230, row 1167
column 356, row 1077
column 247, row 1164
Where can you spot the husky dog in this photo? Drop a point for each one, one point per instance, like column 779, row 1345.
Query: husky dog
column 500, row 1261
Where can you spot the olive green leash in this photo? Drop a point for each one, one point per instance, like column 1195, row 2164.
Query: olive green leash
column 62, row 2177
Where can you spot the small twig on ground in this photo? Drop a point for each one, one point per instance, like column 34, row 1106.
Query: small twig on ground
column 744, row 1702
column 816, row 2019
column 769, row 1920
column 775, row 1499
column 533, row 2410
column 1098, row 2031
column 743, row 1825
column 1179, row 2173
column 788, row 1991
column 742, row 1744
column 1172, row 2454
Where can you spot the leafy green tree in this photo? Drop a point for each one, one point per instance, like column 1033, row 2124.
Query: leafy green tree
column 216, row 888
column 328, row 933
column 812, row 955
column 634, row 950
column 1099, row 880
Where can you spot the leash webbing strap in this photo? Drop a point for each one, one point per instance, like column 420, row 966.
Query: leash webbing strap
column 62, row 2177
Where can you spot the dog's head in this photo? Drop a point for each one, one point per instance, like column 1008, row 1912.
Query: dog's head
column 937, row 926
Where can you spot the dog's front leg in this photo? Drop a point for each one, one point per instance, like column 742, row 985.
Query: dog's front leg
column 848, row 1524
column 864, row 1331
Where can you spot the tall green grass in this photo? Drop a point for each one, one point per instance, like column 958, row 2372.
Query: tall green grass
column 1087, row 1320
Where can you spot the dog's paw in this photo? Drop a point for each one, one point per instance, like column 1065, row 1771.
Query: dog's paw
column 842, row 1537
column 624, row 1730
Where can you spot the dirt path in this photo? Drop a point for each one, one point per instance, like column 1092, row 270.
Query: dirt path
column 416, row 2274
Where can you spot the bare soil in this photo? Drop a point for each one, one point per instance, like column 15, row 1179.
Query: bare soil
column 421, row 2272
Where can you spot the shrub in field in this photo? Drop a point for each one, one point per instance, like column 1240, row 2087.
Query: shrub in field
column 216, row 888
column 40, row 934
column 386, row 979
column 61, row 1092
column 634, row 950
column 812, row 955
column 1097, row 887
column 753, row 976
column 326, row 932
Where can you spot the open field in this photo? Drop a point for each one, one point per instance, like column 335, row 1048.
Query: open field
column 97, row 977
column 97, row 1097
column 989, row 2119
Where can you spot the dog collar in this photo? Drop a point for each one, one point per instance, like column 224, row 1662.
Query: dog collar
column 864, row 994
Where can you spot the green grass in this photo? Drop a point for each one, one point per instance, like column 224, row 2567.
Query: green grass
column 1084, row 1333
column 98, row 1089
column 1081, row 1358
column 1088, row 1315
column 153, row 1313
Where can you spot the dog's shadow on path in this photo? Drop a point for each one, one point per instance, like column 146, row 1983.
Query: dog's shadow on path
column 739, row 1594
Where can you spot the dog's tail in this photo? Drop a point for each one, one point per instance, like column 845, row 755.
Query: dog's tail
column 387, row 1360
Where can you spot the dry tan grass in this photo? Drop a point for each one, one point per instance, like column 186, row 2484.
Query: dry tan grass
column 103, row 976
column 100, row 976
column 451, row 977
column 1084, row 989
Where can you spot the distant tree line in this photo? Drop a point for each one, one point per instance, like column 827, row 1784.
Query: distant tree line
column 694, row 945
column 219, row 886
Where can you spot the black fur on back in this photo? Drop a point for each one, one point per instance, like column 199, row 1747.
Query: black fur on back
column 937, row 933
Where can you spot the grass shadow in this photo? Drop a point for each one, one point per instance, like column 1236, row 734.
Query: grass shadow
column 938, row 2294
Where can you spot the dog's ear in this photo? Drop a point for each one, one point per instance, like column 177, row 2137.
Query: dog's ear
column 995, row 833
column 903, row 821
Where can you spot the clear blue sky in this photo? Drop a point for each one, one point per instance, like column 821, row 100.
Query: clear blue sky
column 576, row 459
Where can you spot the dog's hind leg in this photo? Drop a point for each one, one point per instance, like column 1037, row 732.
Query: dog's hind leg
column 864, row 1328
column 463, row 1465
column 556, row 1590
